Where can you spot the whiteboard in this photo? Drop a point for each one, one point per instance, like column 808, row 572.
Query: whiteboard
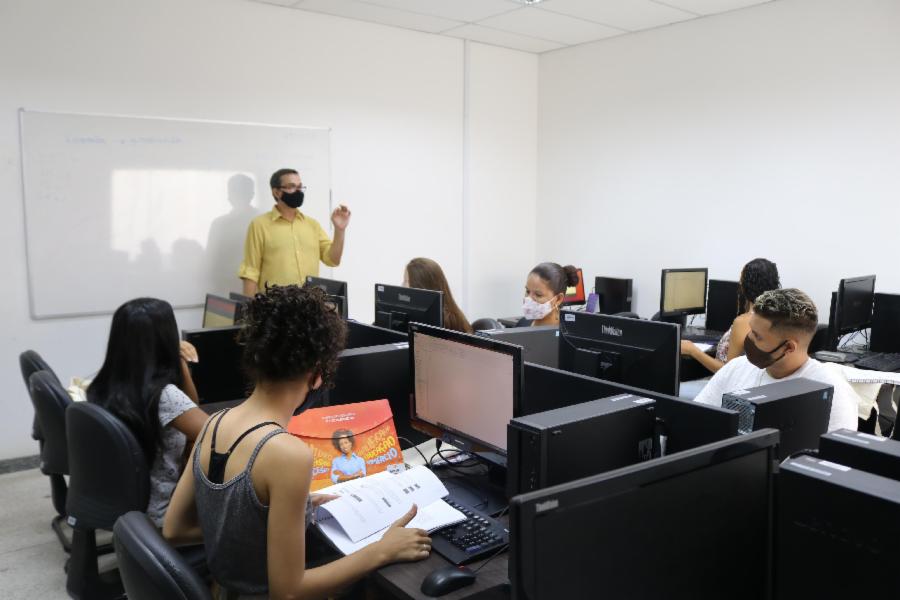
column 120, row 207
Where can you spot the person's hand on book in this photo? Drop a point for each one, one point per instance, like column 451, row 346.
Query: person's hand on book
column 320, row 499
column 401, row 544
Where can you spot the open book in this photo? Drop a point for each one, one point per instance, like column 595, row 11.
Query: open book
column 368, row 506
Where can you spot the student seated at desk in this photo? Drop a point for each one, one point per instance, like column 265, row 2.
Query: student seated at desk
column 425, row 274
column 758, row 276
column 545, row 289
column 246, row 493
column 145, row 382
column 782, row 324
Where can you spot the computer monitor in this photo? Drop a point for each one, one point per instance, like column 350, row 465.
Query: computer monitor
column 643, row 354
column 239, row 297
column 221, row 312
column 853, row 308
column 540, row 343
column 721, row 304
column 466, row 388
column 885, row 335
column 363, row 335
column 336, row 291
column 575, row 294
column 682, row 293
column 696, row 524
column 613, row 295
column 835, row 528
column 396, row 307
column 219, row 375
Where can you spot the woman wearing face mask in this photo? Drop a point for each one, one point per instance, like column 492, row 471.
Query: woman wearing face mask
column 545, row 289
column 758, row 276
column 246, row 491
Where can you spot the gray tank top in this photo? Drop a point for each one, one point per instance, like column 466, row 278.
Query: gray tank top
column 234, row 524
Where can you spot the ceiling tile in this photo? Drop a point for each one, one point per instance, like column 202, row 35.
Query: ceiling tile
column 711, row 7
column 551, row 26
column 495, row 37
column 459, row 10
column 378, row 14
column 632, row 15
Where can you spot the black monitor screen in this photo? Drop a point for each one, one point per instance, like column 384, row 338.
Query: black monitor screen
column 721, row 304
column 696, row 524
column 396, row 307
column 885, row 324
column 219, row 375
column 332, row 287
column 613, row 295
column 643, row 354
column 855, row 297
column 683, row 292
column 466, row 388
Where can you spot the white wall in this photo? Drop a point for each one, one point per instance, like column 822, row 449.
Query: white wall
column 502, row 121
column 394, row 98
column 772, row 131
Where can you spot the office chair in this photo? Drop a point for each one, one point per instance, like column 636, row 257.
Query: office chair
column 108, row 478
column 150, row 567
column 50, row 401
column 31, row 362
column 486, row 323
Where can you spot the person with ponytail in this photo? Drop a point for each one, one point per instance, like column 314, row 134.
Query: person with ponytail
column 758, row 276
column 146, row 383
column 545, row 289
column 425, row 274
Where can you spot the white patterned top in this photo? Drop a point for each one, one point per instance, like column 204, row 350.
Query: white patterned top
column 166, row 467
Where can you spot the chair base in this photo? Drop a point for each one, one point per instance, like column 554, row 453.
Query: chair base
column 83, row 579
column 57, row 525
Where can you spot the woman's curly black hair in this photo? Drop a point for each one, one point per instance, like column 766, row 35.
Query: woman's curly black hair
column 758, row 276
column 291, row 332
column 340, row 434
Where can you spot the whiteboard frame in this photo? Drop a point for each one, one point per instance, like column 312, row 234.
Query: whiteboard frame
column 29, row 275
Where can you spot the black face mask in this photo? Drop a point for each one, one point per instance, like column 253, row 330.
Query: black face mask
column 760, row 358
column 293, row 199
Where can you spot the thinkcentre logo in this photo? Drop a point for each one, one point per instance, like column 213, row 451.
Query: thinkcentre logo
column 610, row 330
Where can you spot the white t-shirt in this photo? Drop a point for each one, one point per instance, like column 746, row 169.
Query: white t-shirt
column 166, row 467
column 739, row 374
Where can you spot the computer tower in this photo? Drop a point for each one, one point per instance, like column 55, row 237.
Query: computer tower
column 800, row 408
column 565, row 444
column 836, row 529
column 871, row 453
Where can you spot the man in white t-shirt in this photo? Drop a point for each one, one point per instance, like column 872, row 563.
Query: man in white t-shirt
column 782, row 324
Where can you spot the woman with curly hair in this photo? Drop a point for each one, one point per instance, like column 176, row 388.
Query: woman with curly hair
column 758, row 276
column 246, row 495
column 347, row 465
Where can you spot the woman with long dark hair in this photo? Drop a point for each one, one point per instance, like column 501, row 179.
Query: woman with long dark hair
column 145, row 382
column 425, row 274
column 758, row 276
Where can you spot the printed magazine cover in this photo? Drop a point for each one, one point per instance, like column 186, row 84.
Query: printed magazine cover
column 348, row 441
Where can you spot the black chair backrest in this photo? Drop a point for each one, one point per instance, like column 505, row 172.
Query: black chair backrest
column 149, row 566
column 50, row 402
column 30, row 362
column 486, row 324
column 108, row 472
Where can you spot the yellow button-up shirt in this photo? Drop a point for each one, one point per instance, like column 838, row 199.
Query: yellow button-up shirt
column 282, row 252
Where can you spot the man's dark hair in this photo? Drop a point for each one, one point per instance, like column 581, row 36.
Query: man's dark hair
column 788, row 308
column 340, row 434
column 275, row 179
column 290, row 332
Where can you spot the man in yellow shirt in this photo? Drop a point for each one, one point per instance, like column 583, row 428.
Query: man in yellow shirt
column 284, row 246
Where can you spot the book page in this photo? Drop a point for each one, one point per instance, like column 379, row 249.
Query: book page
column 373, row 503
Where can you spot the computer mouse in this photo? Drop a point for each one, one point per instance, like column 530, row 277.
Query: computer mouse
column 447, row 579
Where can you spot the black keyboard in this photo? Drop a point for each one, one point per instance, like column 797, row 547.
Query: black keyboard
column 699, row 334
column 479, row 536
column 881, row 361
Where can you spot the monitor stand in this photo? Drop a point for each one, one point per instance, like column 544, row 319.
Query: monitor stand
column 483, row 491
column 677, row 319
